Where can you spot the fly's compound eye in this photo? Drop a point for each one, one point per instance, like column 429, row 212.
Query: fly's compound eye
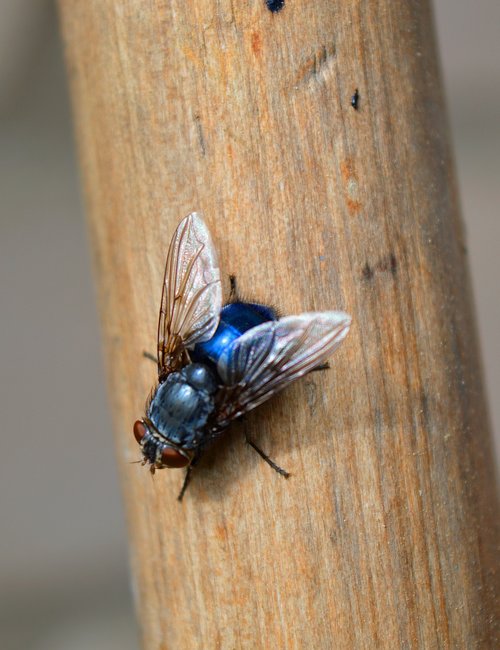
column 170, row 457
column 139, row 430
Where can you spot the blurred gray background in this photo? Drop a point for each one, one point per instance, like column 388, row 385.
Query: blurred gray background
column 63, row 556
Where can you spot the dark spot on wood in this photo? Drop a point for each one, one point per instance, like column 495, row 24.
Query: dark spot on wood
column 424, row 401
column 201, row 138
column 320, row 59
column 355, row 100
column 275, row 5
column 394, row 264
column 367, row 272
column 387, row 264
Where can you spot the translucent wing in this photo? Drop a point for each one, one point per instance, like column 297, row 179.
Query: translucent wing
column 267, row 358
column 192, row 296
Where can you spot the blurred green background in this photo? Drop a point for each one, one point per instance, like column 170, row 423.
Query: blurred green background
column 63, row 560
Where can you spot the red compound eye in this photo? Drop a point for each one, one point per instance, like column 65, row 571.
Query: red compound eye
column 173, row 458
column 139, row 430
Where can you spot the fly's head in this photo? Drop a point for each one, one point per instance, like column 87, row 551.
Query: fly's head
column 156, row 450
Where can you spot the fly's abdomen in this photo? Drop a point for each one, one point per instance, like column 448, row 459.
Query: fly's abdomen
column 235, row 319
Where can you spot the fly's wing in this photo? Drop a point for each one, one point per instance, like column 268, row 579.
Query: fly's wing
column 192, row 295
column 267, row 358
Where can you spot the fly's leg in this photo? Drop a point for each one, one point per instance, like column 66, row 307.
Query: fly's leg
column 233, row 293
column 322, row 366
column 148, row 355
column 189, row 475
column 265, row 457
column 210, row 436
column 187, row 481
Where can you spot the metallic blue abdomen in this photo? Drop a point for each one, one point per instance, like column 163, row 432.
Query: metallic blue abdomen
column 235, row 319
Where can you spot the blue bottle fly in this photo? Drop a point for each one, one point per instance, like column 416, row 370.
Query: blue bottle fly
column 216, row 362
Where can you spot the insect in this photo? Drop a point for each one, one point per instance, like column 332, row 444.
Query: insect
column 215, row 362
column 355, row 100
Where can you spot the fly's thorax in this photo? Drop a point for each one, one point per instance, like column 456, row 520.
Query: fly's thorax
column 182, row 405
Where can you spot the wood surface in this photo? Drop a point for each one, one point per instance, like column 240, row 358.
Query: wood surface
column 383, row 537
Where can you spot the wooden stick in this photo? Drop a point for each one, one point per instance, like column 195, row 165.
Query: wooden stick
column 383, row 537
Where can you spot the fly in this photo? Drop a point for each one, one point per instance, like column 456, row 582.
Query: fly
column 217, row 362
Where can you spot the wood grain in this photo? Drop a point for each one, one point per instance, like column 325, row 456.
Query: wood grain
column 384, row 535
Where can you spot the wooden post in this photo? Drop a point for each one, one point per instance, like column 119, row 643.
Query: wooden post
column 384, row 535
